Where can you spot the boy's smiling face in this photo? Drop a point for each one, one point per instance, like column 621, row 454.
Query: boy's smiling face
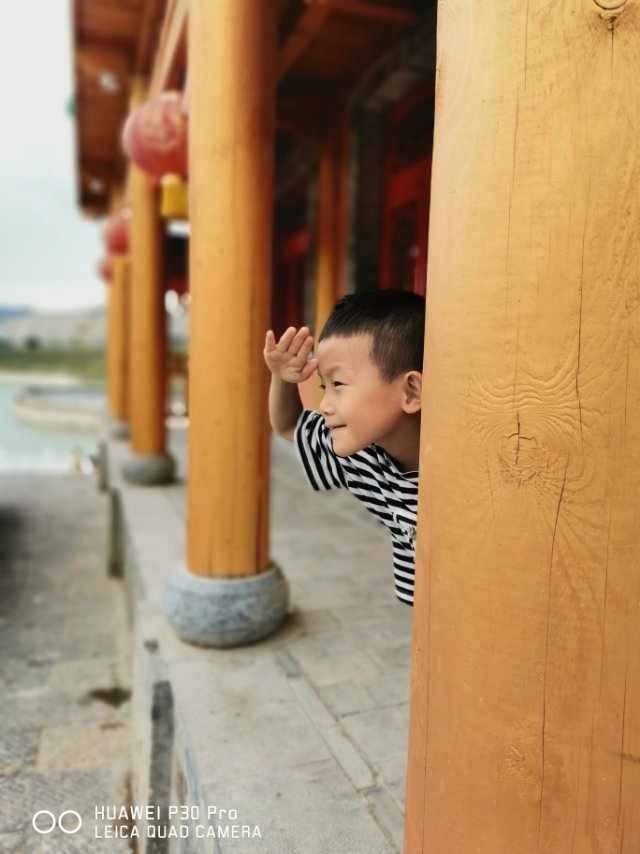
column 358, row 405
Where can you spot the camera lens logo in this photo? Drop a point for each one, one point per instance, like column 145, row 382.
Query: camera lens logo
column 45, row 821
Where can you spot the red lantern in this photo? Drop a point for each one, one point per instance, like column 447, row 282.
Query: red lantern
column 105, row 268
column 155, row 135
column 116, row 233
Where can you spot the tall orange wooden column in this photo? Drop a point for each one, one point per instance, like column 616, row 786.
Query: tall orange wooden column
column 149, row 463
column 331, row 251
column 525, row 701
column 118, row 349
column 229, row 592
column 331, row 245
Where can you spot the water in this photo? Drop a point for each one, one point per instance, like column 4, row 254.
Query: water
column 26, row 447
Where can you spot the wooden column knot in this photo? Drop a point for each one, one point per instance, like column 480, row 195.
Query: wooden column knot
column 610, row 10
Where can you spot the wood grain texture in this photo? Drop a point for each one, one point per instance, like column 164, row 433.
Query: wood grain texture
column 118, row 349
column 147, row 390
column 332, row 233
column 169, row 59
column 232, row 67
column 332, row 221
column 525, row 704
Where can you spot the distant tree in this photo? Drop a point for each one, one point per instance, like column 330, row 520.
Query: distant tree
column 32, row 343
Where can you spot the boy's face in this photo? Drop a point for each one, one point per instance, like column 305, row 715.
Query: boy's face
column 358, row 405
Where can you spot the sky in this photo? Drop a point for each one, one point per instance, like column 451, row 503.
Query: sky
column 48, row 251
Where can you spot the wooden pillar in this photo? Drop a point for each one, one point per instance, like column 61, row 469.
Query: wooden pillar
column 525, row 699
column 111, row 349
column 331, row 242
column 118, row 326
column 331, row 253
column 148, row 326
column 232, row 62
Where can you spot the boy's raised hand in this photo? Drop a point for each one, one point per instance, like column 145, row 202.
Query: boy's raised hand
column 289, row 358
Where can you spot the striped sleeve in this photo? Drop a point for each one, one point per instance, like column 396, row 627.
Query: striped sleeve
column 313, row 444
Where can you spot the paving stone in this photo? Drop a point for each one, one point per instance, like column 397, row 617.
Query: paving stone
column 344, row 752
column 78, row 845
column 321, row 661
column 17, row 750
column 320, row 620
column 387, row 814
column 67, row 674
column 380, row 733
column 348, row 757
column 390, row 690
column 275, row 734
column 14, row 799
column 85, row 746
column 393, row 773
column 311, row 702
column 306, row 809
column 50, row 707
column 25, row 670
column 81, row 790
column 10, row 842
column 344, row 698
column 61, row 633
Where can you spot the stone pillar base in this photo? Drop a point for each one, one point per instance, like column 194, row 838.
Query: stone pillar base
column 223, row 612
column 118, row 429
column 149, row 469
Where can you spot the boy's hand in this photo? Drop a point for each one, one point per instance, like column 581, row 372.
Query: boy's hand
column 288, row 359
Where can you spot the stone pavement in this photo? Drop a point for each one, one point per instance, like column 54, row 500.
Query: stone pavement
column 305, row 733
column 64, row 669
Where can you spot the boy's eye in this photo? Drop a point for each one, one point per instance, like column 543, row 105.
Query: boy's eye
column 322, row 386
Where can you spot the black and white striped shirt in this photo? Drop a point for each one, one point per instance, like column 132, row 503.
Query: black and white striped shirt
column 374, row 478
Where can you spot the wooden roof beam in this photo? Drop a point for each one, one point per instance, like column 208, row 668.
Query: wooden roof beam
column 152, row 16
column 307, row 27
column 316, row 12
column 374, row 12
column 171, row 52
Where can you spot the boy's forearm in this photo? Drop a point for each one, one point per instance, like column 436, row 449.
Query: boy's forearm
column 284, row 404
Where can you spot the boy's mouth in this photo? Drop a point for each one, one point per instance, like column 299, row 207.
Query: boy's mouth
column 337, row 427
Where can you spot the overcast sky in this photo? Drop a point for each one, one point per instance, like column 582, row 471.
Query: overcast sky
column 48, row 252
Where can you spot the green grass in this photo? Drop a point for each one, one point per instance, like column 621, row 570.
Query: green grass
column 87, row 365
column 82, row 363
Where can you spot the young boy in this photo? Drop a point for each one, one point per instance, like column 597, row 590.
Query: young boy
column 366, row 437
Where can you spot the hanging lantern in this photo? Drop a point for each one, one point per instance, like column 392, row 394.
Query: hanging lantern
column 105, row 268
column 173, row 199
column 116, row 233
column 155, row 135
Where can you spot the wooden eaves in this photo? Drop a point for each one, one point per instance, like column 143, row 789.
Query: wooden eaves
column 325, row 46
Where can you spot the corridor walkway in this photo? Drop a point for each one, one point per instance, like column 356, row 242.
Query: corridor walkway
column 64, row 685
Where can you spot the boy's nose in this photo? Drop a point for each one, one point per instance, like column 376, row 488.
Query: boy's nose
column 325, row 407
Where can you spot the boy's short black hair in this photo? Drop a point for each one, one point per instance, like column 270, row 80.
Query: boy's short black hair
column 395, row 319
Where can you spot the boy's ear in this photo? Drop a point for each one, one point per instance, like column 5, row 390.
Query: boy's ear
column 412, row 392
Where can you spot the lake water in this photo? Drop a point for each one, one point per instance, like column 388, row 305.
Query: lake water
column 24, row 447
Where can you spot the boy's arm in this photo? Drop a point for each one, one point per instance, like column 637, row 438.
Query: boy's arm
column 285, row 407
column 289, row 363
